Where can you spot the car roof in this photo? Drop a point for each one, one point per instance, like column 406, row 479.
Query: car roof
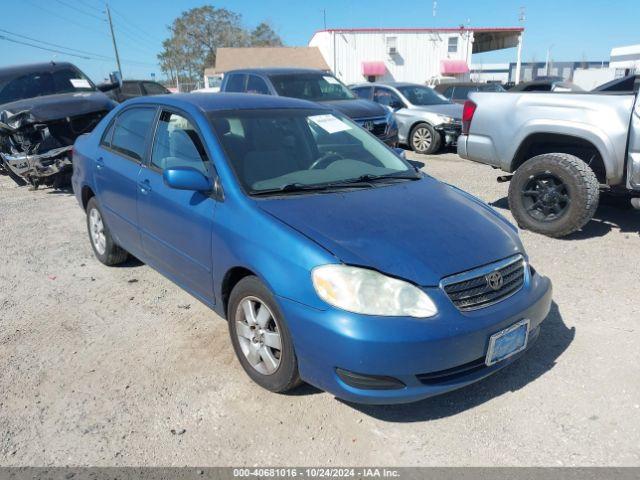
column 34, row 67
column 387, row 84
column 210, row 102
column 278, row 71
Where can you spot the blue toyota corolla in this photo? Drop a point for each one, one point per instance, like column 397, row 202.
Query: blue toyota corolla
column 333, row 259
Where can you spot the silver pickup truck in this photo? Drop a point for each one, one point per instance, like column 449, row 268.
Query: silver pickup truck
column 563, row 149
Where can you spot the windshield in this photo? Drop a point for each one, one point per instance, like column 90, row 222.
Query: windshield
column 275, row 149
column 311, row 86
column 418, row 95
column 39, row 83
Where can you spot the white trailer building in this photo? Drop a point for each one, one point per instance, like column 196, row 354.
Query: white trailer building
column 408, row 54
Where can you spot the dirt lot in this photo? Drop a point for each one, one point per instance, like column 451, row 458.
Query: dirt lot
column 117, row 366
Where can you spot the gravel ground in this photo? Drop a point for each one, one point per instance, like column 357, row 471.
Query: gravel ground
column 117, row 366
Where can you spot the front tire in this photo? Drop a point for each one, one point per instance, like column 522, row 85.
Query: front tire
column 260, row 337
column 424, row 139
column 102, row 243
column 554, row 194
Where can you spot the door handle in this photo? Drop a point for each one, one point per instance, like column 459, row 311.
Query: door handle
column 99, row 163
column 144, row 186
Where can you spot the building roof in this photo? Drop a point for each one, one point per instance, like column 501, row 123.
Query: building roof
column 266, row 57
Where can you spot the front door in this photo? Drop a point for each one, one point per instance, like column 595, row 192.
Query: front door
column 176, row 225
column 118, row 164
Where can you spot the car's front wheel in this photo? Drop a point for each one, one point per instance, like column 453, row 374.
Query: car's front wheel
column 424, row 139
column 554, row 194
column 104, row 247
column 260, row 337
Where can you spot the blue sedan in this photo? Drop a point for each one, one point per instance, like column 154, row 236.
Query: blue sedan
column 334, row 260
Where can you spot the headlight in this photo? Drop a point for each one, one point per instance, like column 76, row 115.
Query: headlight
column 360, row 290
column 444, row 119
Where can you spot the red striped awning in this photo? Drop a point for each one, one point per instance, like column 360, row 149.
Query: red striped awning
column 376, row 69
column 448, row 67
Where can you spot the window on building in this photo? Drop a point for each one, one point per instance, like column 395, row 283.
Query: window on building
column 453, row 45
column 392, row 45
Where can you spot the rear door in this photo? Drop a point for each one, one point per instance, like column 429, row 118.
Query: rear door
column 122, row 150
column 176, row 225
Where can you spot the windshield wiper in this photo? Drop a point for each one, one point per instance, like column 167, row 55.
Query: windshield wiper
column 302, row 187
column 387, row 176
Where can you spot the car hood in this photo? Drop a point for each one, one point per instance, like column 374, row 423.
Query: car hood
column 453, row 110
column 420, row 230
column 358, row 108
column 63, row 105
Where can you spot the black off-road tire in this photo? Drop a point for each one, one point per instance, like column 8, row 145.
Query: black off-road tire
column 286, row 377
column 113, row 254
column 436, row 139
column 582, row 189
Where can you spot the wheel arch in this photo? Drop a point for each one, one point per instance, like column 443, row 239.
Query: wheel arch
column 86, row 195
column 539, row 143
column 229, row 281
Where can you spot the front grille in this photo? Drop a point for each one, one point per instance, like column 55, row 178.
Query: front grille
column 377, row 126
column 474, row 289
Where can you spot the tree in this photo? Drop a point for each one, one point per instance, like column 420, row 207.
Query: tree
column 197, row 33
column 264, row 36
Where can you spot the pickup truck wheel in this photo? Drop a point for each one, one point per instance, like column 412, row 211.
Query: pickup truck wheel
column 260, row 337
column 554, row 194
column 424, row 139
column 105, row 249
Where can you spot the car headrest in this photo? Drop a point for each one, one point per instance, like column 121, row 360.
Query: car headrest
column 221, row 125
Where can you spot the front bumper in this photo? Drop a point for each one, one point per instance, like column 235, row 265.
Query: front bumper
column 449, row 133
column 429, row 356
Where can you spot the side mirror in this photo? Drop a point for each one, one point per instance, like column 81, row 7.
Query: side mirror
column 186, row 178
column 416, row 164
column 395, row 106
column 108, row 86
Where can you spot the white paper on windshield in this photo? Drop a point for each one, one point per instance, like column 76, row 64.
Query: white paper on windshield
column 329, row 123
column 331, row 80
column 79, row 83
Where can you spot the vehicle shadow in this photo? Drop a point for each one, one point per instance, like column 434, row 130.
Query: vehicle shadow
column 606, row 219
column 554, row 339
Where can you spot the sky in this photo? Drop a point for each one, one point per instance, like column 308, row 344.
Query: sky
column 571, row 29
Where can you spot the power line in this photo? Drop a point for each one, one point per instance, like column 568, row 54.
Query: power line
column 2, row 37
column 138, row 30
column 51, row 12
column 55, row 45
column 70, row 51
column 73, row 7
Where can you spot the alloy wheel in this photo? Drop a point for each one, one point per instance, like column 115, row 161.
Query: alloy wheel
column 545, row 197
column 422, row 139
column 259, row 335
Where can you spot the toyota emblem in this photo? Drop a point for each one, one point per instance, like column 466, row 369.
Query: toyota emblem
column 494, row 280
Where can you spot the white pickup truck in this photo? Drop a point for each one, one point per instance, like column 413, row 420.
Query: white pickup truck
column 563, row 149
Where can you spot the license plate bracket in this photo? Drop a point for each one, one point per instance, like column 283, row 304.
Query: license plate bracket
column 508, row 342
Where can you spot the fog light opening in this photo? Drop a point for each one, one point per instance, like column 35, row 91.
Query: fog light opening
column 369, row 382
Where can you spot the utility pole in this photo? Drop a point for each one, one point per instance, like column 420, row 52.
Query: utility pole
column 521, row 18
column 324, row 17
column 113, row 38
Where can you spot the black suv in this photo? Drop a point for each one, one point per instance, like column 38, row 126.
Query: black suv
column 137, row 88
column 316, row 86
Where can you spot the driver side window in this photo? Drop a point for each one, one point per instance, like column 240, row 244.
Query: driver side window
column 388, row 98
column 177, row 144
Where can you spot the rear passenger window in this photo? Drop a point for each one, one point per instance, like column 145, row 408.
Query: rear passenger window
column 364, row 92
column 130, row 133
column 257, row 85
column 235, row 83
column 177, row 144
column 106, row 137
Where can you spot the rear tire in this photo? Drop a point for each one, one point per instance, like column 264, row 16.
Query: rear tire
column 424, row 139
column 554, row 194
column 102, row 243
column 261, row 338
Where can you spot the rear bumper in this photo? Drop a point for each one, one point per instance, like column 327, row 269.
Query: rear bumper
column 478, row 148
column 428, row 356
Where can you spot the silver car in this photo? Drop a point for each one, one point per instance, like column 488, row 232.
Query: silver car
column 426, row 120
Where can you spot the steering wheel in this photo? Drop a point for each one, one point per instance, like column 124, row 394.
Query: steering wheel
column 325, row 160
